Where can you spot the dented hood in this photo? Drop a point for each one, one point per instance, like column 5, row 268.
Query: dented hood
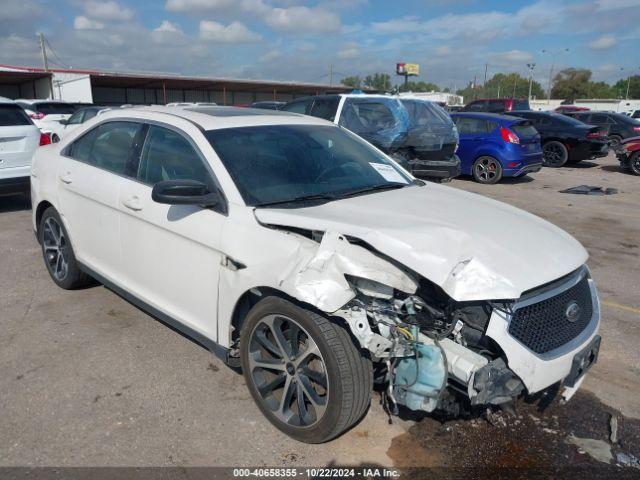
column 473, row 247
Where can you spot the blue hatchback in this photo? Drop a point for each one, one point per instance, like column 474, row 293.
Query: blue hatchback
column 494, row 146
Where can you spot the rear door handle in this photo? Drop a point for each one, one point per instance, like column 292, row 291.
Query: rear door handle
column 133, row 203
column 66, row 178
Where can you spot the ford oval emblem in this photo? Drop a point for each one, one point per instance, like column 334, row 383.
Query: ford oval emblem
column 572, row 313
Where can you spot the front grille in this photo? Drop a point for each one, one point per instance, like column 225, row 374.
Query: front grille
column 544, row 326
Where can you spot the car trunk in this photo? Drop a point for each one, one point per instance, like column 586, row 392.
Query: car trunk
column 17, row 144
column 527, row 133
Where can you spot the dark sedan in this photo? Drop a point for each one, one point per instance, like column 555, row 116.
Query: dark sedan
column 565, row 139
column 618, row 126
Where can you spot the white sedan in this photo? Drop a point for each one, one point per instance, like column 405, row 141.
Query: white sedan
column 292, row 248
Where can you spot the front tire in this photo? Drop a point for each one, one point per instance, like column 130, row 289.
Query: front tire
column 634, row 163
column 554, row 154
column 304, row 371
column 58, row 253
column 487, row 170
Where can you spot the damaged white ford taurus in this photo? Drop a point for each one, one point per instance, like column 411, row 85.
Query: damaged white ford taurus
column 294, row 249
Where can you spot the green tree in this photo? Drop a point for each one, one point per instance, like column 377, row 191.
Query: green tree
column 379, row 81
column 355, row 81
column 418, row 87
column 619, row 89
column 503, row 85
column 573, row 83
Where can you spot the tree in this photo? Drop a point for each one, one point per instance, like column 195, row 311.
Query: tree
column 503, row 85
column 355, row 82
column 573, row 83
column 418, row 87
column 619, row 89
column 379, row 81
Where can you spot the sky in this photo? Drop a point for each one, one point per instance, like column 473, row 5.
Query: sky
column 297, row 40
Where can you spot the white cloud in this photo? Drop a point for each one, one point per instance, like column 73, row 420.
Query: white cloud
column 302, row 20
column 109, row 10
column 20, row 9
column 83, row 23
column 235, row 32
column 349, row 53
column 616, row 4
column 603, row 43
column 198, row 5
column 443, row 50
column 511, row 58
column 167, row 26
column 271, row 55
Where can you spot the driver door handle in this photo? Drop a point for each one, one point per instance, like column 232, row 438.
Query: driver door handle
column 133, row 203
column 66, row 178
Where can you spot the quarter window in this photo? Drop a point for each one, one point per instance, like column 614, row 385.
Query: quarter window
column 167, row 155
column 325, row 107
column 75, row 119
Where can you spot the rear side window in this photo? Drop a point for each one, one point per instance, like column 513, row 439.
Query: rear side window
column 298, row 106
column 476, row 107
column 520, row 105
column 11, row 115
column 325, row 107
column 599, row 118
column 107, row 146
column 75, row 119
column 495, row 106
column 167, row 155
column 524, row 130
column 470, row 126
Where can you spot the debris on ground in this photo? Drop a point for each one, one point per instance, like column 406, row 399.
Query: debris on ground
column 628, row 460
column 590, row 190
column 559, row 440
column 597, row 449
column 613, row 426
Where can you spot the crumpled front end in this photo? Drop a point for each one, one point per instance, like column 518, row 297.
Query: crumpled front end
column 434, row 350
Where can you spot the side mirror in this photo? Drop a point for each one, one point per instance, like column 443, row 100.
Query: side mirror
column 184, row 192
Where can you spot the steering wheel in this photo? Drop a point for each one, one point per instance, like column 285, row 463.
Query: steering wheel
column 325, row 173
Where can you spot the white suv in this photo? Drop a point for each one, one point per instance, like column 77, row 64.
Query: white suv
column 291, row 247
column 19, row 138
column 47, row 114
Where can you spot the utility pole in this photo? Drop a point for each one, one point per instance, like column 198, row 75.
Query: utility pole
column 484, row 84
column 331, row 75
column 531, row 66
column 515, row 83
column 45, row 61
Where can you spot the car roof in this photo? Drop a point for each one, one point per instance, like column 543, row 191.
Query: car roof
column 214, row 118
column 6, row 100
column 485, row 116
column 41, row 100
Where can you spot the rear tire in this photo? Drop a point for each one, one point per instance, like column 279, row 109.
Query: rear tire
column 614, row 142
column 288, row 353
column 554, row 154
column 58, row 253
column 487, row 170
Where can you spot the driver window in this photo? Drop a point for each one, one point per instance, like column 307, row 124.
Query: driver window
column 75, row 119
column 167, row 155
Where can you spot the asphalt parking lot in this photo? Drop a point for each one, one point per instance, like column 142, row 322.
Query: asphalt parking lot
column 87, row 379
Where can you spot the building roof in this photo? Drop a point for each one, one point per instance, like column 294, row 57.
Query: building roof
column 172, row 81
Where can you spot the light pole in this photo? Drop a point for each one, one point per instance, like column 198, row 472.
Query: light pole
column 530, row 66
column 628, row 82
column 554, row 54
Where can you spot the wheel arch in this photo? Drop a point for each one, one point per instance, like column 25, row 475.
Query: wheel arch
column 40, row 209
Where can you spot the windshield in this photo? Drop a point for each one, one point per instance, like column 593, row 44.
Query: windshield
column 285, row 163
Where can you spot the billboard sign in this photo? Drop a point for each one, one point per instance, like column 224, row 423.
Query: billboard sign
column 408, row 69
